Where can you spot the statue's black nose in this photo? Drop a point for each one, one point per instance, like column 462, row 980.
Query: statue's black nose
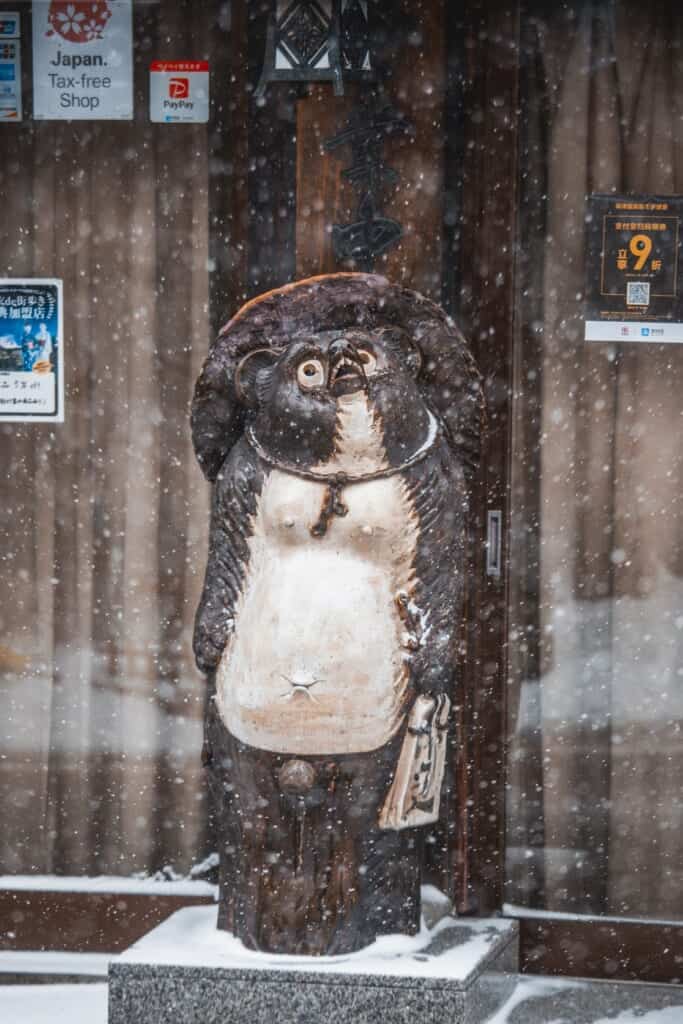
column 342, row 348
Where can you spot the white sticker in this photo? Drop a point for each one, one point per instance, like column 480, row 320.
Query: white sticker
column 83, row 61
column 10, row 24
column 179, row 91
column 658, row 333
column 31, row 350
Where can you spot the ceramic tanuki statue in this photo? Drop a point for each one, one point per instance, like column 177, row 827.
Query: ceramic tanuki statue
column 338, row 418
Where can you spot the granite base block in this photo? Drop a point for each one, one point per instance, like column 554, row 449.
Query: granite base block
column 185, row 971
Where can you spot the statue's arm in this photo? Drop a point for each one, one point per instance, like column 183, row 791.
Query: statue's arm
column 234, row 504
column 434, row 611
column 431, row 615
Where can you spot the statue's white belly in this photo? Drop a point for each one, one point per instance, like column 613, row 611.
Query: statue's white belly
column 316, row 663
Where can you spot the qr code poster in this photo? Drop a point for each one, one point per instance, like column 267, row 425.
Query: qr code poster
column 633, row 287
column 31, row 350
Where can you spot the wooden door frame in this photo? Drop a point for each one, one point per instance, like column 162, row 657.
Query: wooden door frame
column 480, row 291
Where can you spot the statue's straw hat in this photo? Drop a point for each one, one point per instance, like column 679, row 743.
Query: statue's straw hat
column 448, row 376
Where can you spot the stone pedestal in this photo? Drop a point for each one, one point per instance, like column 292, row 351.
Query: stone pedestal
column 459, row 972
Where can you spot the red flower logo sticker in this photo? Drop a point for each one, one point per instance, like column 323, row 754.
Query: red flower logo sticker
column 78, row 22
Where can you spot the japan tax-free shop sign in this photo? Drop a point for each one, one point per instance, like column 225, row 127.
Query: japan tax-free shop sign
column 31, row 350
column 83, row 60
column 633, row 286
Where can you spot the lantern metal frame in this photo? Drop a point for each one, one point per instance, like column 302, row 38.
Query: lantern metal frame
column 317, row 41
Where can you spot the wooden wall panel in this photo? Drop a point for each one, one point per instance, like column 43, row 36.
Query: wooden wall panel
column 611, row 950
column 102, row 584
column 83, row 922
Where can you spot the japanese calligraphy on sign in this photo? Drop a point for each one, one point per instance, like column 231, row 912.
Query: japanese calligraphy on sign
column 31, row 350
column 632, row 260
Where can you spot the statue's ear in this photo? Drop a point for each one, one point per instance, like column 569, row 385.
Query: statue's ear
column 252, row 375
column 405, row 346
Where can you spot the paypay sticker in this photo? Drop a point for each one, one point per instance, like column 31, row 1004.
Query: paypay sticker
column 179, row 91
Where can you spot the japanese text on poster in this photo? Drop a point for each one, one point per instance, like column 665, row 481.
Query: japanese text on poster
column 31, row 350
column 83, row 60
column 633, row 288
column 10, row 66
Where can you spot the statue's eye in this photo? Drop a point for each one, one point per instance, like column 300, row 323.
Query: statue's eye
column 368, row 360
column 310, row 373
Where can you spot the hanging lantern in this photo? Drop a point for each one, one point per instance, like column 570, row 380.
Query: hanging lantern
column 317, row 41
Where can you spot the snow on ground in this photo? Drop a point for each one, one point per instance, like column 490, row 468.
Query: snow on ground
column 53, row 1004
column 528, row 989
column 666, row 1015
column 570, row 1001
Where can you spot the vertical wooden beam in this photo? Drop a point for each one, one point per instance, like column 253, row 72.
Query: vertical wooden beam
column 182, row 290
column 323, row 196
column 417, row 89
column 228, row 163
column 525, row 826
column 414, row 84
column 272, row 168
column 487, row 305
